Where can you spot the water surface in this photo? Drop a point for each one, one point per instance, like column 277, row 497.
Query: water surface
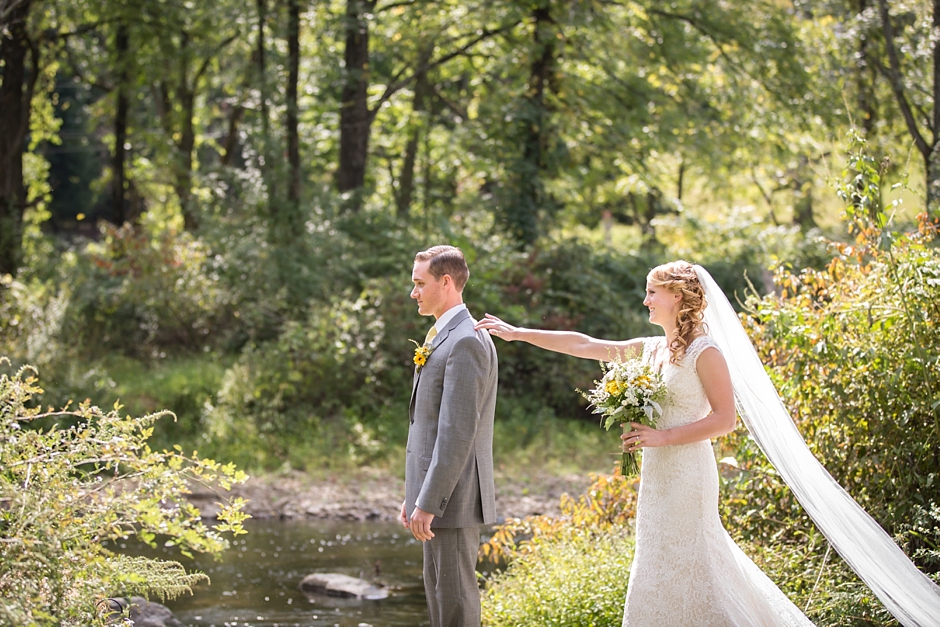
column 255, row 584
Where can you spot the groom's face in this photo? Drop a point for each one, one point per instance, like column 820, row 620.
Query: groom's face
column 428, row 291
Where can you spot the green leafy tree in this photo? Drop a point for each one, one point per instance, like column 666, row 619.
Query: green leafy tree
column 908, row 57
column 73, row 480
column 889, row 71
column 28, row 45
column 455, row 30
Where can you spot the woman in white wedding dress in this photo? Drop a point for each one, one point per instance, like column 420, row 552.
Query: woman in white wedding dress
column 687, row 571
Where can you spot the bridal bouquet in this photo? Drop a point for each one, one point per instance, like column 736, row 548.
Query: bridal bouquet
column 629, row 391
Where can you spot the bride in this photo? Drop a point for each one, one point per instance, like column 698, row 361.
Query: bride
column 686, row 568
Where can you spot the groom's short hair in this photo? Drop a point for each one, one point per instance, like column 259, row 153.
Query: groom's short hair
column 446, row 260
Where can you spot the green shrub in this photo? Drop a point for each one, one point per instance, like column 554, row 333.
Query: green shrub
column 333, row 388
column 568, row 286
column 143, row 294
column 854, row 351
column 187, row 383
column 739, row 246
column 296, row 354
column 73, row 479
column 578, row 579
column 569, row 571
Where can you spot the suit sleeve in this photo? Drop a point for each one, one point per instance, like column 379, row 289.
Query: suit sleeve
column 461, row 403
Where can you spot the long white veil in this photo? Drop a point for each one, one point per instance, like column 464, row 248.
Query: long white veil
column 906, row 592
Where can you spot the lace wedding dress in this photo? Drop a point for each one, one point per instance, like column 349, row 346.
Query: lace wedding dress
column 687, row 571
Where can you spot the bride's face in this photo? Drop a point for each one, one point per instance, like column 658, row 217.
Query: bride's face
column 663, row 304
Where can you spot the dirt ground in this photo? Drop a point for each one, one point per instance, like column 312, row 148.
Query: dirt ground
column 373, row 495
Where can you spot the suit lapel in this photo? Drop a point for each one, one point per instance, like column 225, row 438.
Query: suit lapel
column 439, row 339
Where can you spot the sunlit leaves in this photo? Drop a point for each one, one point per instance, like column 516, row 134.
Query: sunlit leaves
column 71, row 480
column 567, row 571
column 854, row 350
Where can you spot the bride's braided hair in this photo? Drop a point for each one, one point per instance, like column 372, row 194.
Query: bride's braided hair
column 679, row 277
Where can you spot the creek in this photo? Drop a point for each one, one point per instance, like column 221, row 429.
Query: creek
column 255, row 583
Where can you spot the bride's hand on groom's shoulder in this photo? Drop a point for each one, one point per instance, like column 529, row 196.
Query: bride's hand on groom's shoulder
column 497, row 327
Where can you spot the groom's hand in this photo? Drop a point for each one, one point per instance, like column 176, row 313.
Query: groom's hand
column 421, row 524
column 404, row 517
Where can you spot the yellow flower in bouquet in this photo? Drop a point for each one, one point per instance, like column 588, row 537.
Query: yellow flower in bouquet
column 628, row 392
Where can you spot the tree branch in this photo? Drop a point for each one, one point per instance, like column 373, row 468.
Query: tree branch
column 7, row 7
column 210, row 57
column 935, row 128
column 893, row 74
column 105, row 87
column 453, row 106
column 82, row 30
column 34, row 55
column 700, row 28
column 397, row 84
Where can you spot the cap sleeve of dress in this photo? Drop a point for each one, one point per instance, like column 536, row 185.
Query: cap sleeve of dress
column 697, row 347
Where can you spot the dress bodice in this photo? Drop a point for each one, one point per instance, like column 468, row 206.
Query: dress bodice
column 685, row 400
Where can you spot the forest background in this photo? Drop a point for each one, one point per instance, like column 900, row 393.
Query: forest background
column 212, row 207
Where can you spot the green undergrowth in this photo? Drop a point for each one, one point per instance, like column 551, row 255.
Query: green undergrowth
column 530, row 440
column 577, row 579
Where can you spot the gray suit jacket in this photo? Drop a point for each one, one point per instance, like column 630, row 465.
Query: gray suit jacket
column 449, row 459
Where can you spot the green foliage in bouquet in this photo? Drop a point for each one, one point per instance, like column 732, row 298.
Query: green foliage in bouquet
column 74, row 479
column 629, row 391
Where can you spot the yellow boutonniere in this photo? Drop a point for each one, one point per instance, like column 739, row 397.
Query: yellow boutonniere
column 422, row 352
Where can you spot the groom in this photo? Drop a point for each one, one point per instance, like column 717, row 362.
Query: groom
column 449, row 489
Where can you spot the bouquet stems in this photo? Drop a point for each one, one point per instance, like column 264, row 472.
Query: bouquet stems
column 628, row 462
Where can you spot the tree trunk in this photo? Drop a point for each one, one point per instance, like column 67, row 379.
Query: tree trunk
column 865, row 78
column 933, row 159
column 525, row 223
column 180, row 124
column 406, row 182
column 803, row 205
column 267, row 158
column 293, row 75
column 681, row 182
column 355, row 118
column 929, row 147
column 230, row 145
column 118, row 182
column 652, row 209
column 185, row 147
column 803, row 195
column 15, row 96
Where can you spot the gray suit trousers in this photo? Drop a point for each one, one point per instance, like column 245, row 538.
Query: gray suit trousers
column 450, row 581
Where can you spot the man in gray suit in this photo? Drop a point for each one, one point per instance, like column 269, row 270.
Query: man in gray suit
column 449, row 489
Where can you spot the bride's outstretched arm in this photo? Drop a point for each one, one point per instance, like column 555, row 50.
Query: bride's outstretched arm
column 567, row 342
column 716, row 381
